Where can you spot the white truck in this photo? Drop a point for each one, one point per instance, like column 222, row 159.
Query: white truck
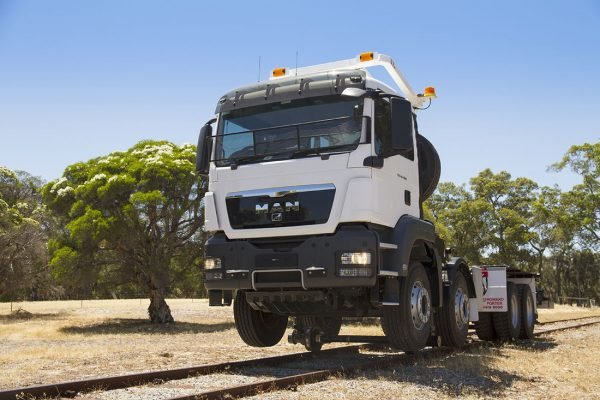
column 317, row 178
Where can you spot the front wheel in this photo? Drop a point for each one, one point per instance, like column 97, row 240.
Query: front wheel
column 255, row 327
column 408, row 325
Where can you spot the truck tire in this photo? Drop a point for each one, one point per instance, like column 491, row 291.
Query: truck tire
column 408, row 325
column 508, row 324
column 527, row 312
column 430, row 167
column 330, row 326
column 485, row 327
column 257, row 328
column 453, row 318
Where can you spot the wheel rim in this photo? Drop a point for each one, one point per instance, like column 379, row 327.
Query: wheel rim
column 529, row 311
column 419, row 305
column 514, row 315
column 461, row 309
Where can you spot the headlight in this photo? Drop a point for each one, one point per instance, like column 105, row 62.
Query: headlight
column 363, row 258
column 212, row 263
column 357, row 265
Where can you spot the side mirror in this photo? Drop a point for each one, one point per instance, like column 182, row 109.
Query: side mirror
column 204, row 148
column 402, row 125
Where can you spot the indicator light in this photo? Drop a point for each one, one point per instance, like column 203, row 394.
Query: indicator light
column 278, row 72
column 367, row 56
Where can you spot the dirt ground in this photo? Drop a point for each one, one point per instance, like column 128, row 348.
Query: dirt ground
column 45, row 342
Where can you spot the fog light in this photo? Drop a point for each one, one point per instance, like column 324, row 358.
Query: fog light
column 356, row 272
column 214, row 275
column 212, row 263
column 363, row 258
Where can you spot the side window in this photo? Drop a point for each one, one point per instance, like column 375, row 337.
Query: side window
column 383, row 128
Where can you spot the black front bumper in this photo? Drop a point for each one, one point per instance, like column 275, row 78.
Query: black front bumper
column 296, row 263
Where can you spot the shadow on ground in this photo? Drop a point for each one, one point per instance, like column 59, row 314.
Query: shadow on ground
column 537, row 344
column 125, row 326
column 471, row 372
column 24, row 315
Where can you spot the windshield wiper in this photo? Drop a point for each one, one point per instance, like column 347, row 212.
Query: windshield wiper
column 320, row 150
column 234, row 162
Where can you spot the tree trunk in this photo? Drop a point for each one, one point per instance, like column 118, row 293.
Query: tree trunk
column 558, row 281
column 158, row 310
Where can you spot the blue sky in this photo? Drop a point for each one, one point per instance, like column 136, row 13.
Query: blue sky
column 518, row 82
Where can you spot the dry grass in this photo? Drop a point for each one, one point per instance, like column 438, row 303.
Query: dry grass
column 70, row 339
column 564, row 312
column 561, row 366
column 56, row 341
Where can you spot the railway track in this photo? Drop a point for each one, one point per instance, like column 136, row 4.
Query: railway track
column 295, row 369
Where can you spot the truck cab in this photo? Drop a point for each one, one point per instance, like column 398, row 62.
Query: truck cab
column 316, row 179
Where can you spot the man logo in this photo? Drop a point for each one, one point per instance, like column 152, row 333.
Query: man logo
column 277, row 208
column 277, row 217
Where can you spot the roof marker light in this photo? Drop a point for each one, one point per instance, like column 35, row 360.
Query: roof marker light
column 367, row 56
column 277, row 72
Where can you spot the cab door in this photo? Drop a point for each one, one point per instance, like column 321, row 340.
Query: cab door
column 397, row 181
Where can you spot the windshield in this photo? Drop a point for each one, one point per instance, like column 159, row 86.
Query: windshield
column 296, row 128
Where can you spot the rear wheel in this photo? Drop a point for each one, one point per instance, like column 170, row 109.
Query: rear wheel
column 408, row 325
column 527, row 312
column 485, row 327
column 508, row 324
column 453, row 321
column 255, row 327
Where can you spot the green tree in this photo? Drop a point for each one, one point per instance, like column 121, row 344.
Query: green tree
column 24, row 224
column 509, row 203
column 584, row 160
column 544, row 222
column 133, row 216
column 454, row 208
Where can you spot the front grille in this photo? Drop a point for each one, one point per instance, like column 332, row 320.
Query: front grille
column 272, row 208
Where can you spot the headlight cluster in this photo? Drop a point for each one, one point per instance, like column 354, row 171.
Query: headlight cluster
column 355, row 265
column 212, row 263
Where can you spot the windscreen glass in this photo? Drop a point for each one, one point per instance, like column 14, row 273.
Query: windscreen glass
column 299, row 128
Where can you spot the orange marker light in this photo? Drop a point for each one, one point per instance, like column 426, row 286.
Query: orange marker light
column 279, row 72
column 368, row 56
column 429, row 92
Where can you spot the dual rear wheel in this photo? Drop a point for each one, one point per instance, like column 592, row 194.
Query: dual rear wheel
column 516, row 323
column 408, row 324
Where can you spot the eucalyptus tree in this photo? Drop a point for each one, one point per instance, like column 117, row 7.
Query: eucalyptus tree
column 461, row 216
column 509, row 206
column 138, row 213
column 23, row 235
column 584, row 160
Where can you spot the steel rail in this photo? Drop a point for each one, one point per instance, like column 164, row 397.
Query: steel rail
column 566, row 320
column 292, row 381
column 73, row 388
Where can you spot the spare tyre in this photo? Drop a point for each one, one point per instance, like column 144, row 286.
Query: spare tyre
column 430, row 167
